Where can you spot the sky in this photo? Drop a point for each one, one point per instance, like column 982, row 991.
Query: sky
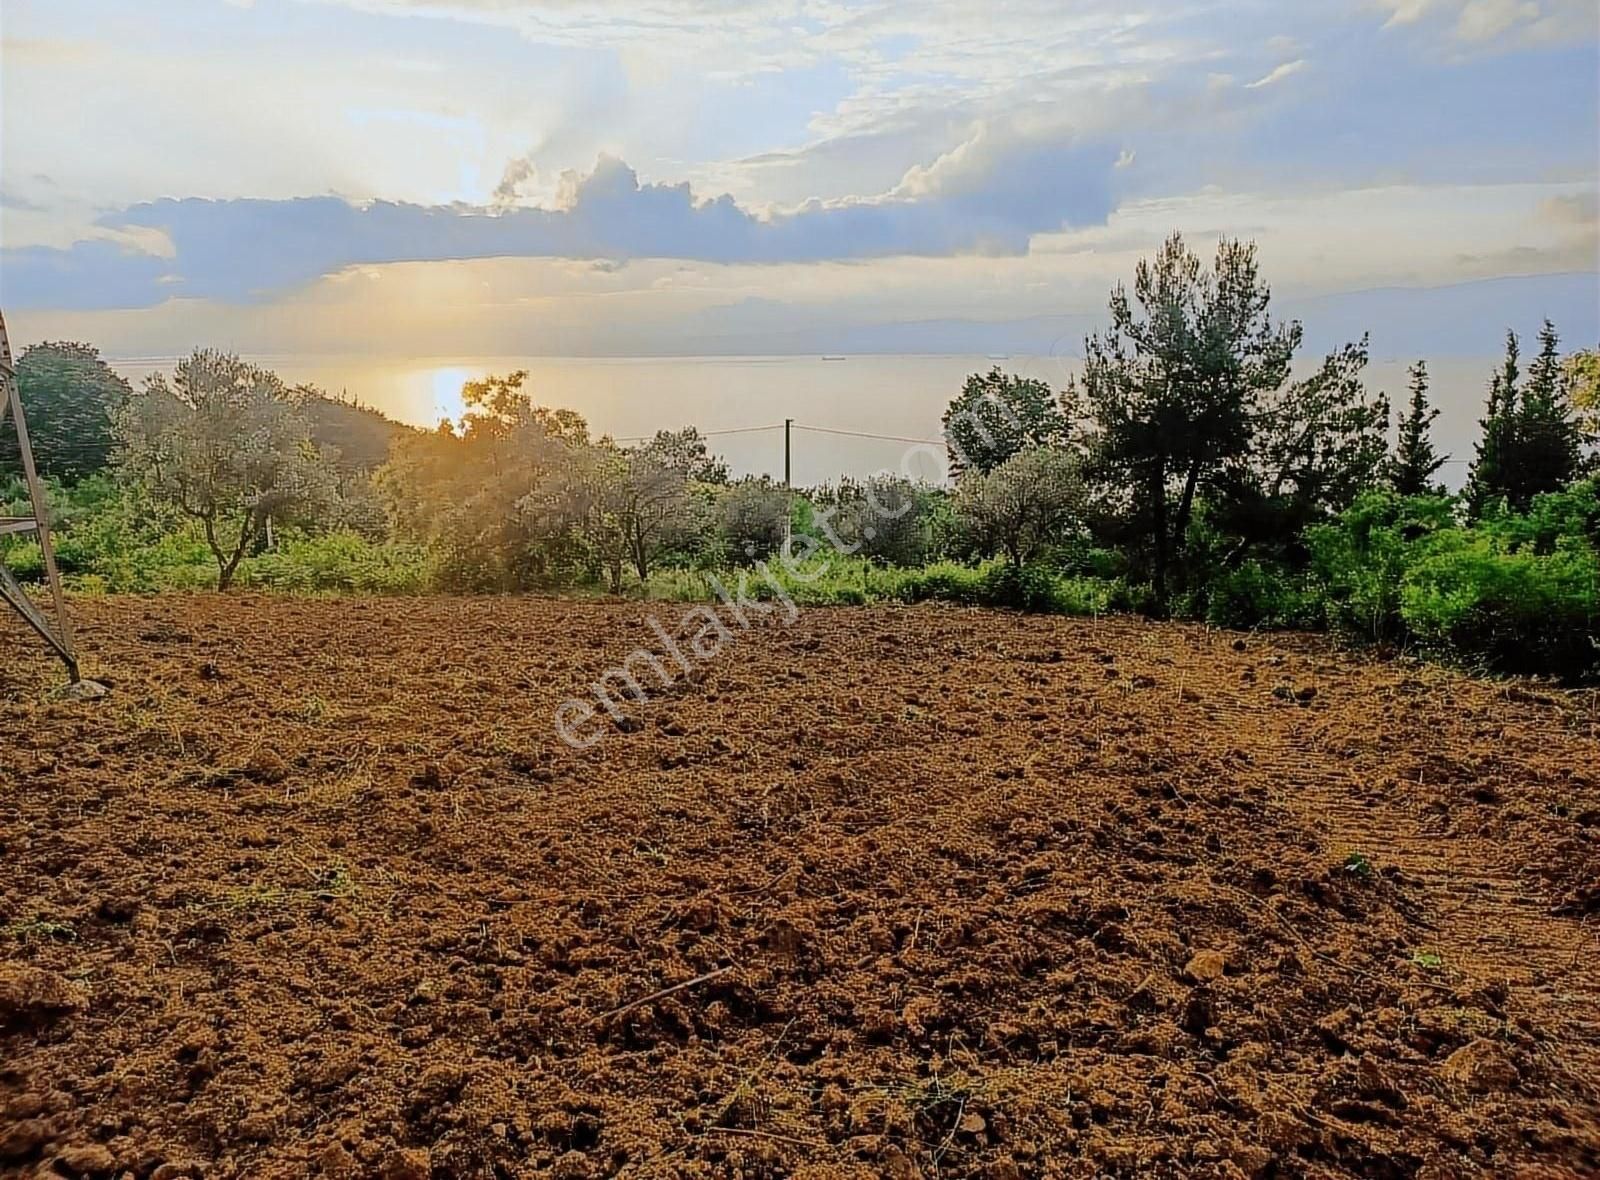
column 449, row 177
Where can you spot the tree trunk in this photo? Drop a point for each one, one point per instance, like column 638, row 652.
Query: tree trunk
column 224, row 574
column 228, row 564
column 225, row 577
column 1180, row 526
column 641, row 556
column 1176, row 542
column 1158, row 574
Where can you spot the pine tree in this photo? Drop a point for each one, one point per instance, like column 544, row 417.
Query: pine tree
column 1416, row 462
column 1548, row 445
column 1496, row 447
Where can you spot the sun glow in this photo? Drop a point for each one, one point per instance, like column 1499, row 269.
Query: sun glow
column 446, row 385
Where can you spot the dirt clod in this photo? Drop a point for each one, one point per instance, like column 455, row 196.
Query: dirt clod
column 85, row 1159
column 1480, row 1066
column 266, row 766
column 1205, row 966
column 407, row 1163
column 31, row 998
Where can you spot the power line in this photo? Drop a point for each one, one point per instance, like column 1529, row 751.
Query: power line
column 936, row 442
column 703, row 433
column 745, row 429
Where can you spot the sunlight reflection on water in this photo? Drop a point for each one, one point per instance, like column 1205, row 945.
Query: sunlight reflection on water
column 902, row 396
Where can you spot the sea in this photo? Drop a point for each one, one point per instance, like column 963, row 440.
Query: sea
column 849, row 415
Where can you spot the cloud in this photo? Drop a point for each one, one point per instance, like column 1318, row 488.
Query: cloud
column 967, row 202
column 1487, row 22
column 1278, row 74
column 9, row 200
column 519, row 173
column 1579, row 209
column 869, row 129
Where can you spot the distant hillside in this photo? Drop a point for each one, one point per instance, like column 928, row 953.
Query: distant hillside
column 361, row 434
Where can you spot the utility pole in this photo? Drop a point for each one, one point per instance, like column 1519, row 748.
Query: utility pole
column 59, row 635
column 788, row 510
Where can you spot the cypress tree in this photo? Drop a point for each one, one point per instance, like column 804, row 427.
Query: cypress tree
column 1416, row 462
column 1548, row 441
column 1495, row 452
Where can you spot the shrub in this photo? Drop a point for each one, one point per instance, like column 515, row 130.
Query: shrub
column 751, row 517
column 943, row 582
column 1259, row 595
column 1086, row 596
column 1519, row 612
column 1025, row 587
column 1359, row 562
column 344, row 563
column 23, row 559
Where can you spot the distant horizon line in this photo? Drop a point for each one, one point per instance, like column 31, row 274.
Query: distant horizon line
column 462, row 357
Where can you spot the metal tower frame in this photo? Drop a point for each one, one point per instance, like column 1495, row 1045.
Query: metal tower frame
column 59, row 636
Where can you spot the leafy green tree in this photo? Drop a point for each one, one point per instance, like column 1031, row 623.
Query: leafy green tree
column 625, row 506
column 893, row 520
column 1415, row 461
column 226, row 445
column 361, row 435
column 1323, row 440
column 1032, row 500
column 687, row 450
column 752, row 517
column 1175, row 388
column 460, row 489
column 70, row 396
column 886, row 517
column 997, row 415
column 1316, row 444
column 1581, row 371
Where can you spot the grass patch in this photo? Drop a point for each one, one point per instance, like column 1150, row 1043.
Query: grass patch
column 39, row 930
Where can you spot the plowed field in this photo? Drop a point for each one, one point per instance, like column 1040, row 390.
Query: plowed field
column 317, row 890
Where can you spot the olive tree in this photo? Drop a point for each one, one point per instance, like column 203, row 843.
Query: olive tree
column 886, row 517
column 688, row 451
column 626, row 507
column 752, row 518
column 1030, row 501
column 225, row 444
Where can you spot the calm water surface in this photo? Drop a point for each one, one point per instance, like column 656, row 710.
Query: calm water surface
column 902, row 396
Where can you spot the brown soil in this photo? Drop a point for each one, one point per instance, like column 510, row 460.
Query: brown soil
column 904, row 892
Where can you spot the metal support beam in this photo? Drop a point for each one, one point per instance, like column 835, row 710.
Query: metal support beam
column 58, row 637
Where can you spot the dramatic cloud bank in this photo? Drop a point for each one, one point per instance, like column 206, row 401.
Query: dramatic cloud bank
column 249, row 249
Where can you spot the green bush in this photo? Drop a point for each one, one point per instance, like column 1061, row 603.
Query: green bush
column 944, row 582
column 1359, row 562
column 1085, row 596
column 1506, row 612
column 22, row 558
column 1026, row 588
column 1512, row 594
column 339, row 563
column 1259, row 595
